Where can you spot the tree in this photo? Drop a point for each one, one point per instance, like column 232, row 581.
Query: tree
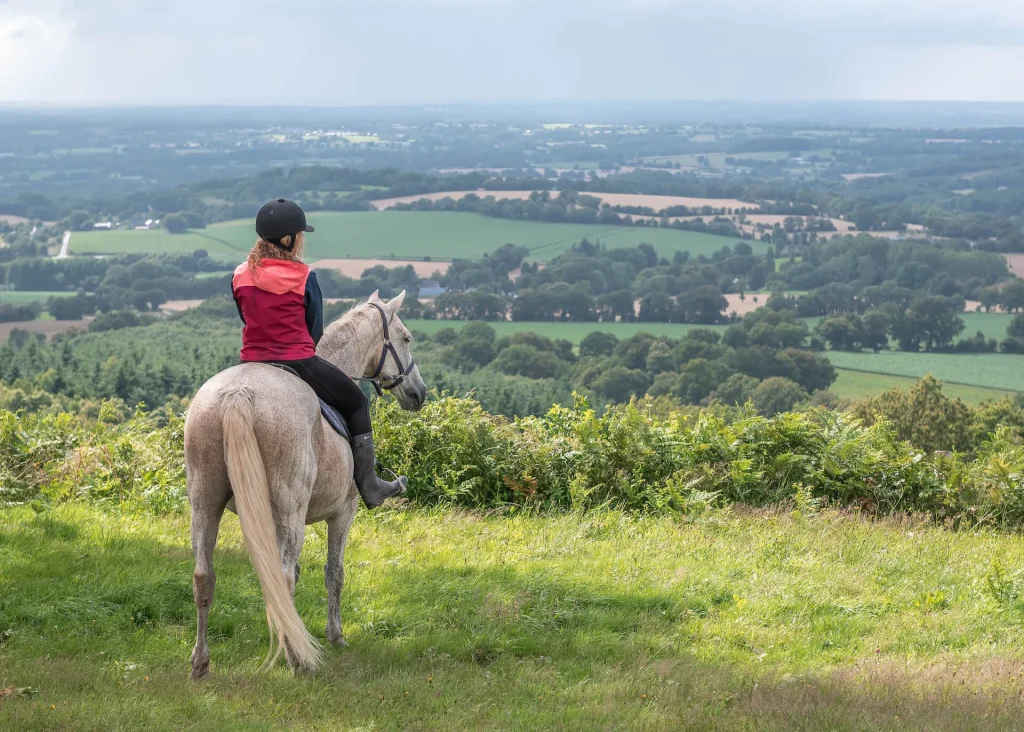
column 658, row 308
column 990, row 297
column 524, row 360
column 936, row 320
column 598, row 344
column 474, row 346
column 875, row 330
column 80, row 221
column 776, row 395
column 619, row 384
column 1012, row 296
column 175, row 223
column 842, row 332
column 659, row 358
column 698, row 379
column 737, row 389
column 812, row 372
column 923, row 415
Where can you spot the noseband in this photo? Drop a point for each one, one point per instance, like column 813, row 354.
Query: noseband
column 382, row 383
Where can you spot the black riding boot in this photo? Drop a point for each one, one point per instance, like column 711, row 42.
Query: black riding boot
column 373, row 490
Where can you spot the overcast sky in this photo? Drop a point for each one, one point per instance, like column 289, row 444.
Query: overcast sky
column 337, row 52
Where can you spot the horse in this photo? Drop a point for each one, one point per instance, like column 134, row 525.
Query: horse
column 256, row 444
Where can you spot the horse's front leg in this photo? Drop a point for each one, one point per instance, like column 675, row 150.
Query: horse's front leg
column 334, row 571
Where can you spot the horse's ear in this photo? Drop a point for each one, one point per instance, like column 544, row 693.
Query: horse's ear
column 375, row 297
column 394, row 304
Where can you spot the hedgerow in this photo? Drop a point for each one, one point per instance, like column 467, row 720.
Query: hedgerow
column 572, row 458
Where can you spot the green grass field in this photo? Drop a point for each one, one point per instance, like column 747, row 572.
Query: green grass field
column 859, row 384
column 993, row 325
column 20, row 297
column 739, row 620
column 415, row 234
column 989, row 370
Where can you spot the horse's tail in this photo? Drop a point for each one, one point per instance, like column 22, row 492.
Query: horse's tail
column 252, row 499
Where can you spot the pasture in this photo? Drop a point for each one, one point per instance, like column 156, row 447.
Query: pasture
column 859, row 385
column 458, row 620
column 22, row 297
column 407, row 235
column 989, row 370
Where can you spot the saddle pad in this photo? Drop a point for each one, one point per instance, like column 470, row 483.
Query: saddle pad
column 334, row 419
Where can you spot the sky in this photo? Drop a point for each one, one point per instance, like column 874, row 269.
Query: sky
column 339, row 52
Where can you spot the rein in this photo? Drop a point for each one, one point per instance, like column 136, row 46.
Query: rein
column 376, row 379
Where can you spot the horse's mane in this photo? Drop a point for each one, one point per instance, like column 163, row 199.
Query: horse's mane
column 343, row 330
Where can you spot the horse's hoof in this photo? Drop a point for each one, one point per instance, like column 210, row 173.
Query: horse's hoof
column 303, row 670
column 338, row 641
column 199, row 672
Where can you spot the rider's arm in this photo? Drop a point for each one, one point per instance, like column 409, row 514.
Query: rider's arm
column 238, row 305
column 314, row 308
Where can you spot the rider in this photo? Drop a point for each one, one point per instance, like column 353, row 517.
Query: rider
column 280, row 304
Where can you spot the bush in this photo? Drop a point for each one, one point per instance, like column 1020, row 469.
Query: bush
column 922, row 415
column 454, row 452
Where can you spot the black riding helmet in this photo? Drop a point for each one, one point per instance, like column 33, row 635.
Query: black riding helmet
column 278, row 219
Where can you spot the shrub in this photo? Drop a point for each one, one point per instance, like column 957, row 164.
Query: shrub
column 638, row 456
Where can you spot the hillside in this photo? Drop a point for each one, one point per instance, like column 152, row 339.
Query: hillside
column 461, row 621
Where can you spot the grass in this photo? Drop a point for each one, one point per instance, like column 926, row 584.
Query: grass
column 415, row 234
column 989, row 370
column 573, row 332
column 464, row 621
column 993, row 325
column 21, row 297
column 859, row 384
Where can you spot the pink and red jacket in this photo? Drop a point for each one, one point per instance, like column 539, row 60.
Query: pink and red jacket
column 282, row 309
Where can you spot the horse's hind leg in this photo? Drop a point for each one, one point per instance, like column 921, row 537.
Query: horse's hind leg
column 334, row 571
column 207, row 510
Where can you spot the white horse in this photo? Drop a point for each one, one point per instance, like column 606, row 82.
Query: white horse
column 255, row 443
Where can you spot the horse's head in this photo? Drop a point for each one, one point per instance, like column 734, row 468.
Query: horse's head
column 391, row 365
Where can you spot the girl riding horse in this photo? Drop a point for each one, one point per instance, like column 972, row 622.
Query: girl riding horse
column 280, row 304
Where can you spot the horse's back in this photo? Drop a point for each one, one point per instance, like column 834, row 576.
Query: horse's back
column 302, row 457
column 285, row 414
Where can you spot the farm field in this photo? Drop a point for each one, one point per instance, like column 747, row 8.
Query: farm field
column 613, row 199
column 860, row 384
column 407, row 235
column 21, row 297
column 993, row 325
column 989, row 370
column 45, row 325
column 741, row 620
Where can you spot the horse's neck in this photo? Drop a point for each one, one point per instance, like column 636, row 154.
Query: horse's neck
column 348, row 345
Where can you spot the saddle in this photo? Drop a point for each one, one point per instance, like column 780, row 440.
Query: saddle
column 333, row 417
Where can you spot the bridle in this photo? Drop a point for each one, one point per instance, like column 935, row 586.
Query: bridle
column 376, row 379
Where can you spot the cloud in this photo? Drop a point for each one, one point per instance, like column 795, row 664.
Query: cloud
column 419, row 51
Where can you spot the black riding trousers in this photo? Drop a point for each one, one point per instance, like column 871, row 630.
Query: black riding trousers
column 337, row 389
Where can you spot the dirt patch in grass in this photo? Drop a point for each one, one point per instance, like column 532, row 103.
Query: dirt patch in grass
column 355, row 267
column 176, row 306
column 49, row 328
column 1015, row 263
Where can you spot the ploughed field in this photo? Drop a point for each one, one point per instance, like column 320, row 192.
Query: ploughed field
column 458, row 620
